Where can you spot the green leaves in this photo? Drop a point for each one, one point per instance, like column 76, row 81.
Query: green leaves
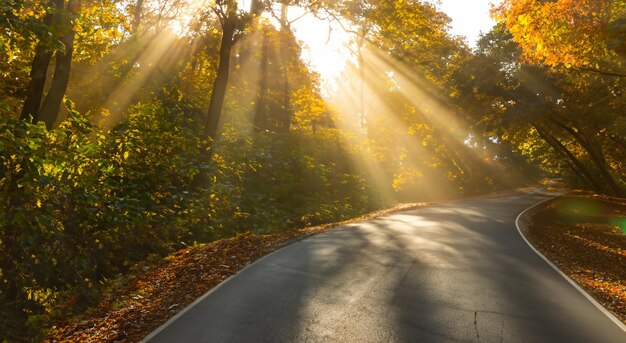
column 88, row 204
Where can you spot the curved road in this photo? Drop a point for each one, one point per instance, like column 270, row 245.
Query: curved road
column 456, row 272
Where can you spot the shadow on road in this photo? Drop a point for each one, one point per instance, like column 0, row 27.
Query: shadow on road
column 455, row 272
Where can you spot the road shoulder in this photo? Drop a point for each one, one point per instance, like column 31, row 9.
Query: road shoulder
column 583, row 238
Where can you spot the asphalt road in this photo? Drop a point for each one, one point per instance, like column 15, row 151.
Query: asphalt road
column 456, row 272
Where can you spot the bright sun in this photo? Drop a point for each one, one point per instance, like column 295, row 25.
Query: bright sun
column 325, row 46
column 325, row 43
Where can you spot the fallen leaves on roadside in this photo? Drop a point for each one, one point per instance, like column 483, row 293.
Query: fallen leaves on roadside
column 578, row 233
column 144, row 300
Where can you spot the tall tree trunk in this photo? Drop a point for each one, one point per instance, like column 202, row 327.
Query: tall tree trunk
column 284, row 14
column 137, row 16
column 285, row 39
column 260, row 109
column 34, row 94
column 561, row 150
column 221, row 81
column 38, row 73
column 229, row 23
column 52, row 103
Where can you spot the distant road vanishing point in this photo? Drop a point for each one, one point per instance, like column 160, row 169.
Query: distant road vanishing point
column 455, row 272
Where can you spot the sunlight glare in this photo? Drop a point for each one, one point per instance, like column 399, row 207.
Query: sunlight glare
column 189, row 10
column 324, row 46
column 469, row 18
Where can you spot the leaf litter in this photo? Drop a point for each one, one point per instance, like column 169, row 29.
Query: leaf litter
column 584, row 235
column 156, row 291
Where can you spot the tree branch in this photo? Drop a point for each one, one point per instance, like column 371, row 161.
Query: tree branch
column 601, row 72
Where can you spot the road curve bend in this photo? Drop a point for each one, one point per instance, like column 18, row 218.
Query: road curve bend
column 455, row 272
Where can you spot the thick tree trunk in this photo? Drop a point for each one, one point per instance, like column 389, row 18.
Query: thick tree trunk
column 221, row 81
column 229, row 26
column 34, row 94
column 137, row 16
column 284, row 14
column 52, row 104
column 38, row 73
column 49, row 110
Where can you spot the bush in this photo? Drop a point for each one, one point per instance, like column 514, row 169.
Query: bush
column 80, row 206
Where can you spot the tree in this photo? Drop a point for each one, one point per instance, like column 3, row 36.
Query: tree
column 59, row 18
column 280, row 73
column 535, row 107
column 234, row 24
column 583, row 34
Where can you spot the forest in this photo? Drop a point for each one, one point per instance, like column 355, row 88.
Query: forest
column 132, row 128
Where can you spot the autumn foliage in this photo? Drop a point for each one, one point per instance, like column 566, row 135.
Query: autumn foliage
column 586, row 237
column 569, row 33
column 131, row 129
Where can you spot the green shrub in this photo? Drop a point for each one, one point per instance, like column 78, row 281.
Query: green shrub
column 79, row 206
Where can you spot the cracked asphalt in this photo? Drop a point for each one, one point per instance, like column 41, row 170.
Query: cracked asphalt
column 455, row 272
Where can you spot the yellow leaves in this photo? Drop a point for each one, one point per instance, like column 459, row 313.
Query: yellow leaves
column 539, row 47
column 42, row 296
column 34, row 10
column 97, row 28
column 406, row 177
column 523, row 19
column 558, row 33
column 48, row 168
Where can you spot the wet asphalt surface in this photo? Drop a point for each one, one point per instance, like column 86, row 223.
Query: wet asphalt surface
column 455, row 272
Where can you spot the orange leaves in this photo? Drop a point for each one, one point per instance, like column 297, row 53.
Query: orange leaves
column 559, row 33
column 156, row 292
column 585, row 246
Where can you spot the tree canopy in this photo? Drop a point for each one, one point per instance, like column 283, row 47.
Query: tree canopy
column 132, row 128
column 586, row 34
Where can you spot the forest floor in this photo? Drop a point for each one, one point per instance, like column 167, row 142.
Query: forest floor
column 140, row 302
column 585, row 236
